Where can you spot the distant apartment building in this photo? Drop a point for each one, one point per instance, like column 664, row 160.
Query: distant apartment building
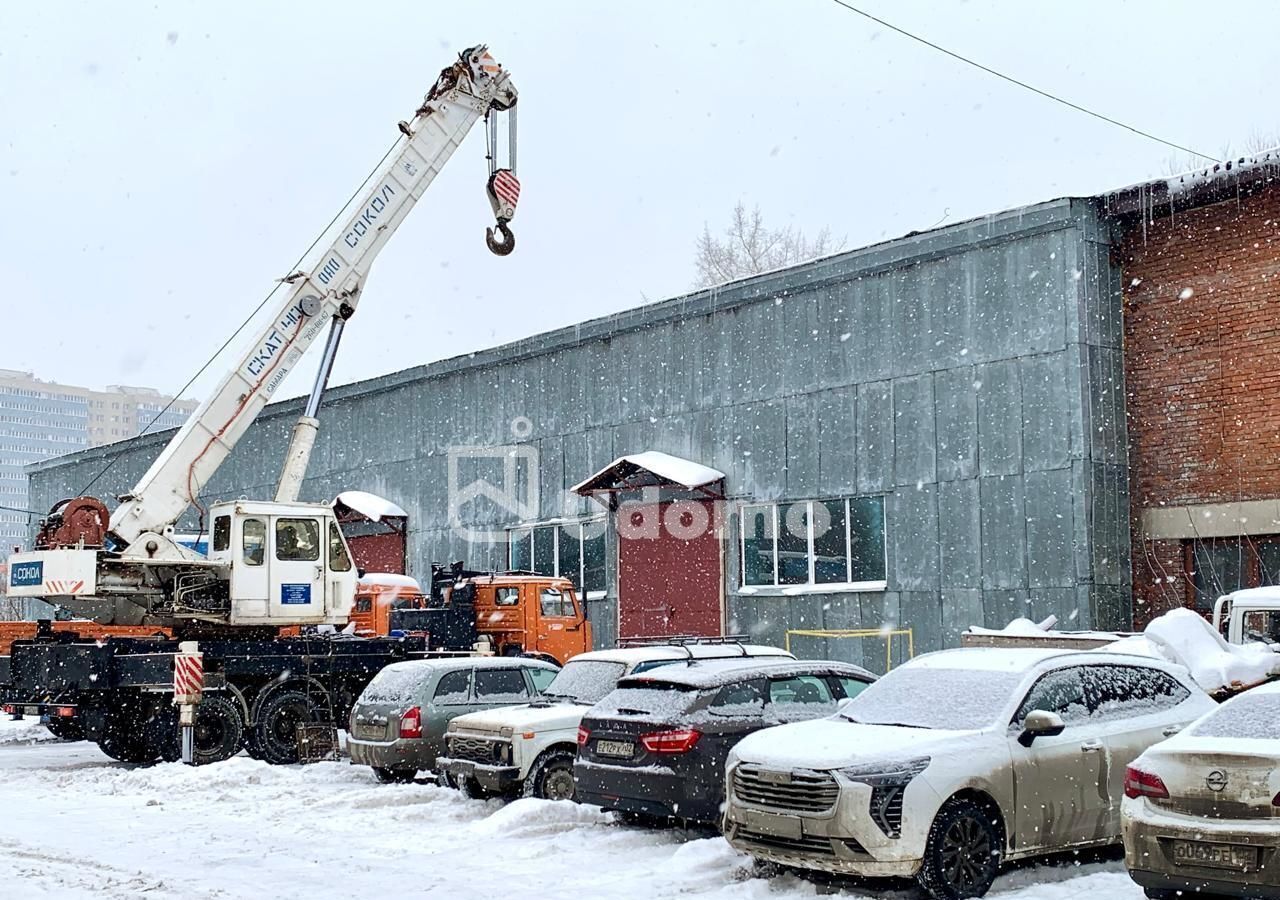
column 41, row 419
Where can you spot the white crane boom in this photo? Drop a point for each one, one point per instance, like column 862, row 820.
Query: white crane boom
column 465, row 93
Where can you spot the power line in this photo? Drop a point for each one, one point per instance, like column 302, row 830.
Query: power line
column 293, row 268
column 29, row 512
column 1022, row 84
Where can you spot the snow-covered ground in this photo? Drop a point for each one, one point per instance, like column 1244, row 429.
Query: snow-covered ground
column 73, row 823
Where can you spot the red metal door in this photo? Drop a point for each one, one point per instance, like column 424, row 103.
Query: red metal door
column 670, row 569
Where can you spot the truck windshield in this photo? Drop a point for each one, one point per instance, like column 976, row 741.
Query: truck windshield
column 584, row 681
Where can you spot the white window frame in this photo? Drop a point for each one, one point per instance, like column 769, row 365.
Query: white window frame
column 811, row 586
column 558, row 526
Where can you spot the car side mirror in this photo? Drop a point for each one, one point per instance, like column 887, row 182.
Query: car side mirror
column 1040, row 723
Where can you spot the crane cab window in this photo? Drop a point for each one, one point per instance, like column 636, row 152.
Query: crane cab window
column 297, row 540
column 339, row 561
column 507, row 596
column 254, row 542
column 221, row 534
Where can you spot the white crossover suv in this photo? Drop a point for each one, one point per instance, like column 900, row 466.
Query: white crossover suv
column 955, row 762
column 531, row 748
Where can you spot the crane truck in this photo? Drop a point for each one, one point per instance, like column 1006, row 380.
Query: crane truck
column 273, row 565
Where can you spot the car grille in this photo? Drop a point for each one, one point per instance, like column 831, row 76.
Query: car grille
column 803, row 844
column 805, row 792
column 479, row 750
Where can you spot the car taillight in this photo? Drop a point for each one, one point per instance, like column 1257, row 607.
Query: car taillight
column 681, row 741
column 66, row 711
column 583, row 736
column 7, row 709
column 411, row 723
column 1138, row 783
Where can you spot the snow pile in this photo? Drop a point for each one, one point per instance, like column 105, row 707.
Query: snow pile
column 1182, row 636
column 77, row 825
column 24, row 731
column 1020, row 626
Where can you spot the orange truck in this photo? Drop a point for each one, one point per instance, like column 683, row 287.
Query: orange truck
column 513, row 612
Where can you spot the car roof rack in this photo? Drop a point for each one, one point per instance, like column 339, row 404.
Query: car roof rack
column 684, row 642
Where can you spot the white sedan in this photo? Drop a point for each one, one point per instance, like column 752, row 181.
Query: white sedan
column 1202, row 810
column 955, row 762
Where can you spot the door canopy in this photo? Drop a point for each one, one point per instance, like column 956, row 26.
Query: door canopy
column 653, row 469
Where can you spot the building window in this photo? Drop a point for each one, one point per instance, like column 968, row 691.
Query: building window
column 1217, row 566
column 814, row 542
column 573, row 550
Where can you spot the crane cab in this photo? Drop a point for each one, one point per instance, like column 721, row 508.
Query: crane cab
column 289, row 563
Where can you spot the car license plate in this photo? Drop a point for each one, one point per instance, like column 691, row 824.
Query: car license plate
column 773, row 824
column 622, row 749
column 31, row 710
column 1219, row 856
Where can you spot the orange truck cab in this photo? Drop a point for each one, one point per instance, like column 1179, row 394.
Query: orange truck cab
column 380, row 593
column 530, row 614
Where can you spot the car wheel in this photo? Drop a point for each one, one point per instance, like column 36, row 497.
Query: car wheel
column 394, row 776
column 963, row 852
column 552, row 777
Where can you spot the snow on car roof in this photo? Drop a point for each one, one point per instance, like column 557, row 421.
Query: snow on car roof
column 1019, row 659
column 716, row 672
column 682, row 651
column 458, row 662
column 389, row 579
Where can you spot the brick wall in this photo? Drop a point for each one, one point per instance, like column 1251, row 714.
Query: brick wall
column 1202, row 370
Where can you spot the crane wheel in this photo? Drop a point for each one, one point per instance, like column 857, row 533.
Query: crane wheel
column 279, row 713
column 124, row 736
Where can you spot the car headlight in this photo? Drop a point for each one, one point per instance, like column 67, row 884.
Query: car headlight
column 886, row 773
column 453, row 726
column 888, row 782
column 506, row 731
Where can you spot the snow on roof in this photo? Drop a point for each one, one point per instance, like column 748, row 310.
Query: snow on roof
column 1183, row 637
column 663, row 466
column 1267, row 594
column 370, row 505
column 713, row 672
column 1207, row 184
column 389, row 579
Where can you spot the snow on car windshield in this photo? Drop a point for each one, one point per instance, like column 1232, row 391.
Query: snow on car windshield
column 392, row 685
column 947, row 699
column 585, row 681
column 1247, row 716
column 657, row 702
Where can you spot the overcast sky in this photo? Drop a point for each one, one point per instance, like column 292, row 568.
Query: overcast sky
column 163, row 163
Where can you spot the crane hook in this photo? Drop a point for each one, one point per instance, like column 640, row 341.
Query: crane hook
column 504, row 246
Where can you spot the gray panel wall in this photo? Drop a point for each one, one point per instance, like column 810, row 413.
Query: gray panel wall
column 972, row 375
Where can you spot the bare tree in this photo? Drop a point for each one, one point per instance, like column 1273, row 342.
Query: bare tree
column 748, row 247
column 1255, row 144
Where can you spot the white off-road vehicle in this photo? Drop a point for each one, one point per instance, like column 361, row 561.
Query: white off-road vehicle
column 531, row 748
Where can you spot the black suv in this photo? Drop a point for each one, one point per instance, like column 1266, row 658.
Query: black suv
column 654, row 749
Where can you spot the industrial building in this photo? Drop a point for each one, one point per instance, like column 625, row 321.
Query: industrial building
column 926, row 434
